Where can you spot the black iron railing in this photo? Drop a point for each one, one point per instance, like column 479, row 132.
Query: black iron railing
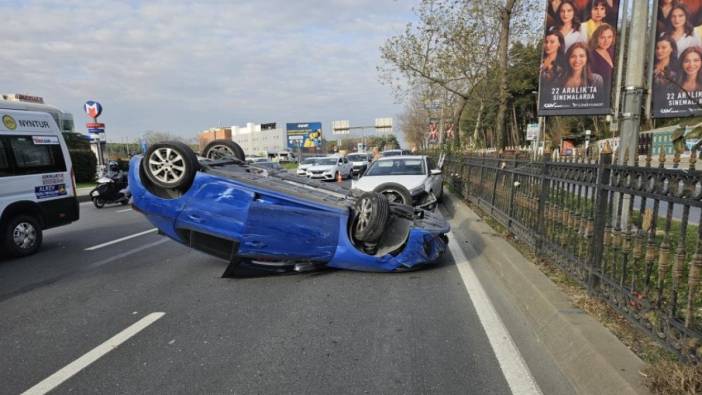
column 629, row 234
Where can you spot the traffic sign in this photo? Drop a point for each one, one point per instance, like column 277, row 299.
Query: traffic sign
column 95, row 125
column 92, row 108
column 532, row 131
column 96, row 130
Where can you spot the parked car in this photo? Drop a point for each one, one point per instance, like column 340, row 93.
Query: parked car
column 305, row 164
column 257, row 159
column 360, row 162
column 395, row 152
column 411, row 180
column 275, row 220
column 268, row 165
column 330, row 168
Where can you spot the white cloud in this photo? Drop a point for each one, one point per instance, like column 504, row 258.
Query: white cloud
column 185, row 66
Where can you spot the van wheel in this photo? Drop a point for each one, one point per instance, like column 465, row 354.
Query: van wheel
column 170, row 165
column 22, row 235
column 223, row 149
column 371, row 213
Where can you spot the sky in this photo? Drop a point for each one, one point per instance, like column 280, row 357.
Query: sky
column 183, row 67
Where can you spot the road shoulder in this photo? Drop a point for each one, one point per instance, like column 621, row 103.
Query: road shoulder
column 591, row 358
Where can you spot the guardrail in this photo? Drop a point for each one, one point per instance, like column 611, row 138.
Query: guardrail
column 630, row 234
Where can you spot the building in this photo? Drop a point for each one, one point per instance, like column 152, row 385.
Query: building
column 260, row 139
column 213, row 134
column 255, row 139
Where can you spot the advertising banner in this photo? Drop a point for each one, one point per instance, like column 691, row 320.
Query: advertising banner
column 677, row 80
column 578, row 58
column 305, row 135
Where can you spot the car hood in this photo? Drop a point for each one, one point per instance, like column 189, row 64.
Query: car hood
column 368, row 183
column 320, row 168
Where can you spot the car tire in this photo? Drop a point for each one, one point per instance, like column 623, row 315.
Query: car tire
column 371, row 213
column 170, row 166
column 22, row 235
column 223, row 149
column 99, row 202
column 395, row 193
column 441, row 193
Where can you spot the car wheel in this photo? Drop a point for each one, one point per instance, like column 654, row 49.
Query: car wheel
column 395, row 193
column 170, row 165
column 223, row 149
column 441, row 193
column 99, row 202
column 22, row 235
column 371, row 213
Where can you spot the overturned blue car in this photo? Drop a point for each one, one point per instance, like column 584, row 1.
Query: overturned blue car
column 274, row 220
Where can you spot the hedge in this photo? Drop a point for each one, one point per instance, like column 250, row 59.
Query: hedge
column 84, row 164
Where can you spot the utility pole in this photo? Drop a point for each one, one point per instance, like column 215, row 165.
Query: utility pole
column 633, row 92
column 614, row 126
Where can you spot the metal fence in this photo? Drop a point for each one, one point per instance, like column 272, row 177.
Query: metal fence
column 629, row 234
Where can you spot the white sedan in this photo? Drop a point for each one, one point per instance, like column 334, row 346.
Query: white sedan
column 411, row 180
column 330, row 168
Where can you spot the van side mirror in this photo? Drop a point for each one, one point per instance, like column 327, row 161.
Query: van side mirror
column 435, row 172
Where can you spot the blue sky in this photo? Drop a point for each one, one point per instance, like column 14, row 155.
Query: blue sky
column 185, row 66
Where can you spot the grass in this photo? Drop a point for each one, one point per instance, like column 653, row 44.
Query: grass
column 663, row 374
column 85, row 185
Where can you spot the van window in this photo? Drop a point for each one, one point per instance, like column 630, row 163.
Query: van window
column 33, row 158
column 4, row 163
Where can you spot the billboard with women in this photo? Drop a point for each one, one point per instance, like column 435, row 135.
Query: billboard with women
column 578, row 57
column 677, row 81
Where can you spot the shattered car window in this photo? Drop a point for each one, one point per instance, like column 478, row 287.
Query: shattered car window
column 397, row 167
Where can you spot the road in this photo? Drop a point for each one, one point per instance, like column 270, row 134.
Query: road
column 322, row 332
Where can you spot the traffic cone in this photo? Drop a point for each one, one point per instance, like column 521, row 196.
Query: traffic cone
column 338, row 177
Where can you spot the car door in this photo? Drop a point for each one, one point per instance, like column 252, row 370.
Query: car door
column 348, row 166
column 434, row 179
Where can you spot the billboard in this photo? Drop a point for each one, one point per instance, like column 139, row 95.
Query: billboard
column 578, row 57
column 304, row 135
column 677, row 79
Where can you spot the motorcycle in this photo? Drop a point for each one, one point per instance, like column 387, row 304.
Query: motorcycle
column 110, row 190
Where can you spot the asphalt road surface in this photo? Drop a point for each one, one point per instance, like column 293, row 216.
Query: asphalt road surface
column 109, row 306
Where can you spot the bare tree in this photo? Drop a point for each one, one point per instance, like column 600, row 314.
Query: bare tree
column 451, row 47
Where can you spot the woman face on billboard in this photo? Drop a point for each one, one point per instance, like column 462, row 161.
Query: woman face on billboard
column 551, row 45
column 577, row 60
column 566, row 14
column 678, row 19
column 664, row 51
column 691, row 64
column 598, row 12
column 606, row 39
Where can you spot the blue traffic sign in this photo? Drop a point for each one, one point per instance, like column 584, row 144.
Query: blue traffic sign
column 96, row 130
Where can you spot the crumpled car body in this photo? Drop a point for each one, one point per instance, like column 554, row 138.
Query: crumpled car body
column 240, row 212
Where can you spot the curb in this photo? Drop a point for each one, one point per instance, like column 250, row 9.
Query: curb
column 588, row 354
column 83, row 198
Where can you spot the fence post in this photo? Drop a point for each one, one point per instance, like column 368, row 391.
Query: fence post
column 512, row 190
column 543, row 197
column 494, row 185
column 600, row 213
column 482, row 175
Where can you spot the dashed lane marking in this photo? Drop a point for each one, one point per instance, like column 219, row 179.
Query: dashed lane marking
column 93, row 355
column 121, row 239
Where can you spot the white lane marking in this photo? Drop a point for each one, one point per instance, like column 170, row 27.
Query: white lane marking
column 124, row 211
column 513, row 367
column 121, row 239
column 93, row 355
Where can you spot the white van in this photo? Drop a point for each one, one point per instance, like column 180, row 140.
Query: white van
column 37, row 183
